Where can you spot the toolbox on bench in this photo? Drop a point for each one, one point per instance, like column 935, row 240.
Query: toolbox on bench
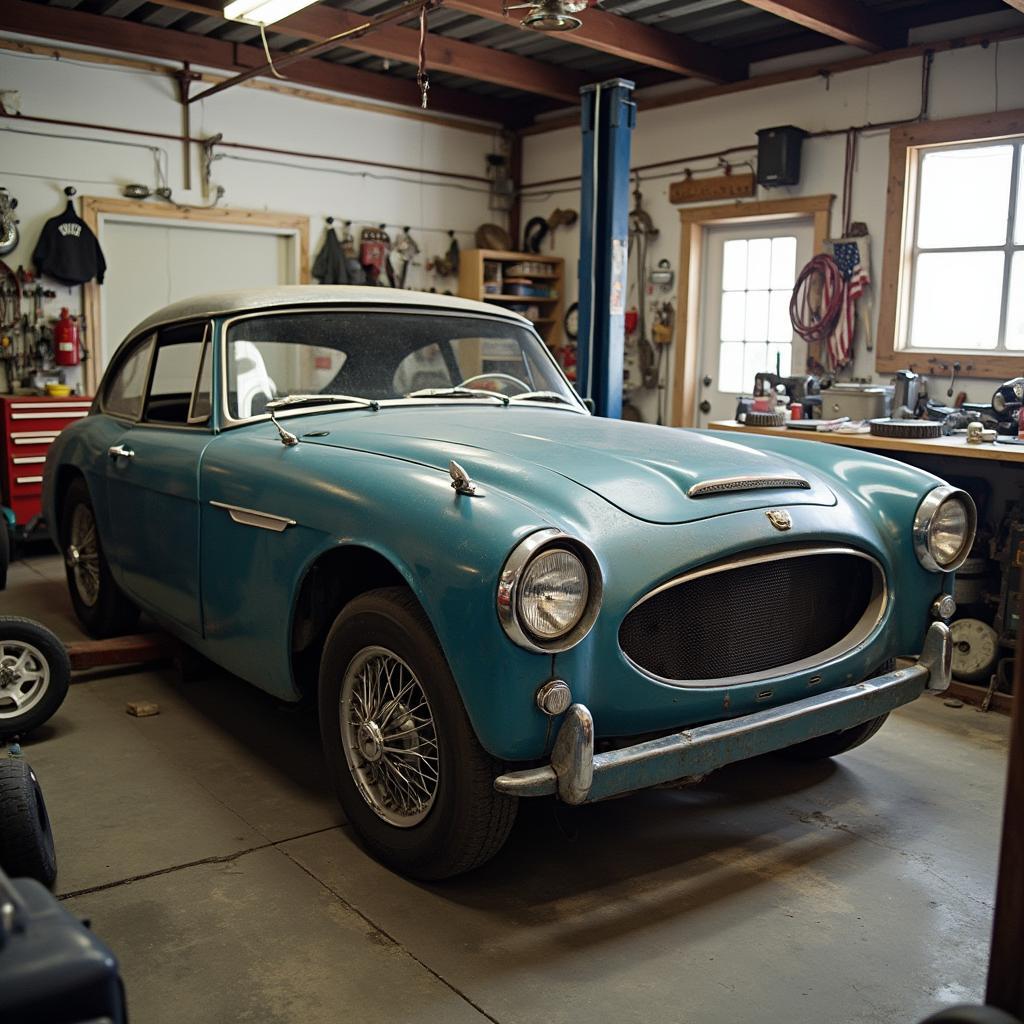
column 53, row 970
column 28, row 426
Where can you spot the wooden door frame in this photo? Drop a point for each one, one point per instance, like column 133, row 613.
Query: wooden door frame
column 95, row 208
column 691, row 258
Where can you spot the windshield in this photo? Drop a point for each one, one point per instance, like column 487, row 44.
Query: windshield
column 383, row 356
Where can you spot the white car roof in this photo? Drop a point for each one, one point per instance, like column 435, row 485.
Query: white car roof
column 251, row 299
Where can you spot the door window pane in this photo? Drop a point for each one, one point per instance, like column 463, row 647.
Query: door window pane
column 1018, row 228
column 757, row 316
column 127, row 385
column 759, row 262
column 175, row 372
column 734, row 264
column 964, row 196
column 957, row 296
column 730, row 366
column 734, row 307
column 783, row 262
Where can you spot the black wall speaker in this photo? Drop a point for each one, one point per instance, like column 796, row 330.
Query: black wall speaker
column 778, row 155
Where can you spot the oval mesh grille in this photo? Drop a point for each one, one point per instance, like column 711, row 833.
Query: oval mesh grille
column 750, row 618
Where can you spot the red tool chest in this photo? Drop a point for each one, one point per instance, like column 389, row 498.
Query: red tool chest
column 29, row 426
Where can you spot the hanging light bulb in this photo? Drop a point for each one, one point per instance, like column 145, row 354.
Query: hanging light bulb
column 551, row 15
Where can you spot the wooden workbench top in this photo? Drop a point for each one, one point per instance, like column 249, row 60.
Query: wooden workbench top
column 955, row 446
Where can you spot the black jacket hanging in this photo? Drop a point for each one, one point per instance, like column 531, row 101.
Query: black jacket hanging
column 329, row 266
column 68, row 251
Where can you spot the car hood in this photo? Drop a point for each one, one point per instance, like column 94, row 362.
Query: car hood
column 644, row 470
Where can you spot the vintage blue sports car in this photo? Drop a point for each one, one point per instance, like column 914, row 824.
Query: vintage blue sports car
column 396, row 503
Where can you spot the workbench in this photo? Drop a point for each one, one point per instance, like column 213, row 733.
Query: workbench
column 934, row 454
column 955, row 445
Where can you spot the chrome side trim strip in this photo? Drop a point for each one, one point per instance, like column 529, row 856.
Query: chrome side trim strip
column 862, row 631
column 728, row 484
column 250, row 517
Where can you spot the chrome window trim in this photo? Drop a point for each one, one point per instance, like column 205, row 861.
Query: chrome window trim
column 204, row 353
column 228, row 421
column 732, row 484
column 253, row 517
column 507, row 595
column 930, row 504
column 862, row 631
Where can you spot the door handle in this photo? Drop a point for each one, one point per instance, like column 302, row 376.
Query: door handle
column 120, row 451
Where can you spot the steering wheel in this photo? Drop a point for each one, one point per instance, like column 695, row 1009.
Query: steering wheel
column 495, row 376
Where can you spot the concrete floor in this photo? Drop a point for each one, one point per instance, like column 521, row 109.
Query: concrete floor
column 204, row 848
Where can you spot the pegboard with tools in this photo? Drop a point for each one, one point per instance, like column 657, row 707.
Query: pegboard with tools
column 30, row 357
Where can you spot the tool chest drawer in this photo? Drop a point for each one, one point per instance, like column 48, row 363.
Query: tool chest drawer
column 28, row 426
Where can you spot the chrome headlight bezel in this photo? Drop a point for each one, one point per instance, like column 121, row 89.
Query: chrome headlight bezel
column 520, row 558
column 923, row 519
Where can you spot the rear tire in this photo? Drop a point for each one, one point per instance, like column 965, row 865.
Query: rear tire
column 836, row 742
column 26, row 839
column 100, row 605
column 408, row 769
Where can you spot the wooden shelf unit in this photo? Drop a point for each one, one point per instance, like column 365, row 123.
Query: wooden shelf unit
column 477, row 266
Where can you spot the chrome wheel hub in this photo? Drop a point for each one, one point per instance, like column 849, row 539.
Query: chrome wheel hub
column 24, row 678
column 83, row 555
column 388, row 736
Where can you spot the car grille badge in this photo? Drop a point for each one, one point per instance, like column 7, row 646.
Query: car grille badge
column 779, row 518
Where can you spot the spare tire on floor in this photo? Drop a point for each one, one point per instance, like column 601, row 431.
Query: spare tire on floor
column 26, row 839
column 34, row 675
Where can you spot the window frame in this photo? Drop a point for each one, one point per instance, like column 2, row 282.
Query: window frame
column 907, row 145
column 126, row 352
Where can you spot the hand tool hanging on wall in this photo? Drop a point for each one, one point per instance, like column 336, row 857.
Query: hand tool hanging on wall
column 641, row 232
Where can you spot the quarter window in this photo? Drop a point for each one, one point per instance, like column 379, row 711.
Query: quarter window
column 127, row 386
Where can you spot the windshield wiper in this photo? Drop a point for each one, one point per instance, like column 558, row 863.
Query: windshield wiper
column 458, row 393
column 543, row 396
column 293, row 401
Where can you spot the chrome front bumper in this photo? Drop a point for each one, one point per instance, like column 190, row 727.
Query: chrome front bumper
column 578, row 776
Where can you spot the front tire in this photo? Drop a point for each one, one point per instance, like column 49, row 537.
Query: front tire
column 408, row 769
column 99, row 603
column 34, row 675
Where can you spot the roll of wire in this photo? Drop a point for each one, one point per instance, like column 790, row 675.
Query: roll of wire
column 817, row 301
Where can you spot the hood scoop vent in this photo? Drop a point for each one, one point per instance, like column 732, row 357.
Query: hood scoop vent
column 732, row 484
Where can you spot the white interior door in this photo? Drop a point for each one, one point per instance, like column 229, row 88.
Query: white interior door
column 745, row 328
column 150, row 264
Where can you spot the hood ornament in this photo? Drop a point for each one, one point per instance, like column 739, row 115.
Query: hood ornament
column 779, row 518
column 461, row 481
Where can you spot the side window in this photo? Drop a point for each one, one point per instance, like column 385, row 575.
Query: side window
column 124, row 391
column 175, row 373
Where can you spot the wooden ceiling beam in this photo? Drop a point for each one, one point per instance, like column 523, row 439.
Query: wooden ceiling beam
column 116, row 34
column 630, row 40
column 482, row 63
column 1017, row 5
column 845, row 20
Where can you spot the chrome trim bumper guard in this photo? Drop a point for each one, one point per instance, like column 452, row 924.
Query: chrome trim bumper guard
column 578, row 776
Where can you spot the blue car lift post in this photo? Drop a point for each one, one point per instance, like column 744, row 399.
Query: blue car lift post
column 609, row 116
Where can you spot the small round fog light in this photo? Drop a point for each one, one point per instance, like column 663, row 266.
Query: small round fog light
column 554, row 697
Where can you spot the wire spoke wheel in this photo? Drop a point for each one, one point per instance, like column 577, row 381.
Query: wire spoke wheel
column 83, row 555
column 389, row 737
column 24, row 678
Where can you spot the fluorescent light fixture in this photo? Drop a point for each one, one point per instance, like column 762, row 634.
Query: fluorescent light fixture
column 263, row 12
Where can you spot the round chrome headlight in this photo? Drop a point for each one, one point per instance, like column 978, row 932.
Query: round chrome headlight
column 553, row 594
column 944, row 529
column 549, row 592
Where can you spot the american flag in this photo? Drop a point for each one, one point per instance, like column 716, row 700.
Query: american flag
column 851, row 256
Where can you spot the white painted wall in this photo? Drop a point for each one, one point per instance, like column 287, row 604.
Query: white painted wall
column 967, row 81
column 34, row 168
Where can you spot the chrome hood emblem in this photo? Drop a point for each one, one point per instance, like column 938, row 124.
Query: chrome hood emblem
column 779, row 518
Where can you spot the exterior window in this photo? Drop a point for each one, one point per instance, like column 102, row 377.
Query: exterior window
column 178, row 355
column 127, row 386
column 967, row 253
column 755, row 330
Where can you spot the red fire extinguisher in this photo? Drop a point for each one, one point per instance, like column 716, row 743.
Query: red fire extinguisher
column 67, row 342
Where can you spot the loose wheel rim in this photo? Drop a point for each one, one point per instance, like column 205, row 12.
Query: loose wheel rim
column 389, row 737
column 83, row 555
column 24, row 678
